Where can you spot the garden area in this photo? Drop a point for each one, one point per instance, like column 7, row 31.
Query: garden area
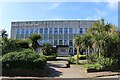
column 21, row 58
column 101, row 45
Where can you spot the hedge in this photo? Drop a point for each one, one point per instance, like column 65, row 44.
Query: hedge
column 26, row 59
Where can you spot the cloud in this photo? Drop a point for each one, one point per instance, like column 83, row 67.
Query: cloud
column 100, row 13
column 53, row 6
column 112, row 5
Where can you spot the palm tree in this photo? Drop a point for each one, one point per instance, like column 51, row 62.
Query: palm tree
column 77, row 43
column 3, row 33
column 34, row 40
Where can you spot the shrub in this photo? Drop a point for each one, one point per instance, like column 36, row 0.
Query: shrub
column 26, row 59
column 105, row 62
column 92, row 58
column 80, row 57
column 96, row 66
column 51, row 57
column 71, row 60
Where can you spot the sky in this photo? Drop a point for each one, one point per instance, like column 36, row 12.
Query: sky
column 38, row 11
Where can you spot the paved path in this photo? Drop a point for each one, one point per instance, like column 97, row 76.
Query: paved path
column 75, row 71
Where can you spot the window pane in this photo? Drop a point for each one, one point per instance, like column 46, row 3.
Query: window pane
column 41, row 30
column 50, row 31
column 55, row 42
column 81, row 30
column 60, row 42
column 65, row 30
column 65, row 42
column 60, row 31
column 18, row 31
column 55, row 31
column 31, row 31
column 27, row 31
column 46, row 31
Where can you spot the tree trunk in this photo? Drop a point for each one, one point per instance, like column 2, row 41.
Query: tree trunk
column 77, row 62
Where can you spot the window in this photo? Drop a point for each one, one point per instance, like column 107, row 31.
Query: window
column 31, row 31
column 46, row 30
column 60, row 42
column 36, row 30
column 65, row 42
column 22, row 31
column 70, row 30
column 50, row 31
column 63, row 50
column 55, row 31
column 70, row 43
column 55, row 42
column 81, row 30
column 41, row 30
column 65, row 30
column 18, row 31
column 60, row 31
column 27, row 31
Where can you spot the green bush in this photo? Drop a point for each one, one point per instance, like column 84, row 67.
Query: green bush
column 26, row 59
column 71, row 60
column 92, row 58
column 51, row 57
column 96, row 66
column 105, row 62
column 80, row 57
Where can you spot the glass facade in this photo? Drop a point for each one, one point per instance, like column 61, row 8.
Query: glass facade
column 18, row 33
column 60, row 42
column 55, row 42
column 65, row 42
column 27, row 33
column 55, row 33
column 22, row 33
column 81, row 30
column 31, row 31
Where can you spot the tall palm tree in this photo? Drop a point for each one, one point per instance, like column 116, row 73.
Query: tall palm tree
column 77, row 43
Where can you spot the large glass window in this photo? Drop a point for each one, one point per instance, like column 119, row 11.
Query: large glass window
column 46, row 30
column 60, row 30
column 18, row 31
column 50, row 31
column 65, row 42
column 36, row 30
column 31, row 31
column 41, row 30
column 27, row 31
column 70, row 30
column 81, row 30
column 65, row 30
column 18, row 34
column 22, row 31
column 70, row 43
column 60, row 42
column 55, row 30
column 55, row 42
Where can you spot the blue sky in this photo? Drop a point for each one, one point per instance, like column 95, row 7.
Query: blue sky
column 32, row 11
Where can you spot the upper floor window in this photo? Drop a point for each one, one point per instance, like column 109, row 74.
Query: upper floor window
column 46, row 31
column 41, row 30
column 27, row 31
column 31, row 31
column 50, row 30
column 60, row 30
column 22, row 31
column 81, row 30
column 65, row 30
column 18, row 31
column 70, row 30
column 36, row 30
column 55, row 31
